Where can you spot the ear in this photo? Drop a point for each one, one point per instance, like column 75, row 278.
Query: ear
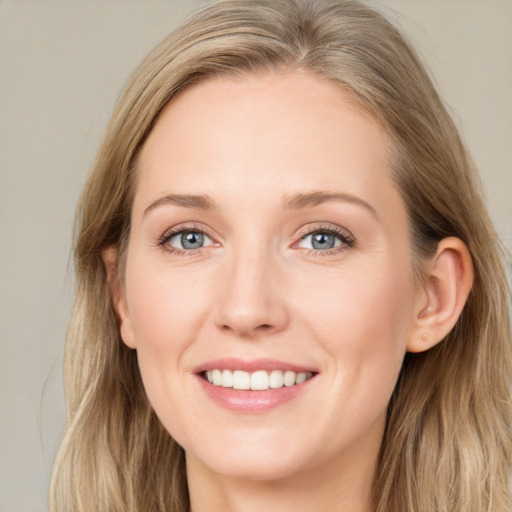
column 448, row 281
column 118, row 296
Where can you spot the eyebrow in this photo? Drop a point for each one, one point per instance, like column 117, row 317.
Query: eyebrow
column 298, row 201
column 199, row 202
column 294, row 202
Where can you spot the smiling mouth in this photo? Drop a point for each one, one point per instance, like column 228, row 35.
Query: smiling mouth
column 260, row 380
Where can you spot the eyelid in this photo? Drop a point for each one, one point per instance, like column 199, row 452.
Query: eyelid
column 344, row 235
column 179, row 228
column 183, row 228
column 334, row 228
column 331, row 228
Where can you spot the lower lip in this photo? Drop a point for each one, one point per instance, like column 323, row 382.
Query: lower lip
column 248, row 401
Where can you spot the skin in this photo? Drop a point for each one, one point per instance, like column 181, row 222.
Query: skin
column 258, row 289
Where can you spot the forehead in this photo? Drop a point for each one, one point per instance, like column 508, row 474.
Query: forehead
column 262, row 104
column 284, row 132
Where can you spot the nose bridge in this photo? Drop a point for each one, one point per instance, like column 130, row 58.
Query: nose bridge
column 251, row 299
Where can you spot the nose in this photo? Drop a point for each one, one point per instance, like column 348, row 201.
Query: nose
column 251, row 300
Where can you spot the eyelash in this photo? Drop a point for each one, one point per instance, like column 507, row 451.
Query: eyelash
column 346, row 238
column 167, row 236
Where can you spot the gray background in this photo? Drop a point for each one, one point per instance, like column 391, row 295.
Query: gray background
column 62, row 65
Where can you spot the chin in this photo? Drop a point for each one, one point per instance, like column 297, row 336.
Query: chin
column 260, row 465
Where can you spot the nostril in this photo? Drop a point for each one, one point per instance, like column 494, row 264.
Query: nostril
column 263, row 327
column 247, row 330
column 247, row 317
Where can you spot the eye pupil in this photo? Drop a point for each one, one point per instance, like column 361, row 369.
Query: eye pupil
column 323, row 241
column 192, row 240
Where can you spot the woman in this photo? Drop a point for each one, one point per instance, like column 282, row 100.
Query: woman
column 289, row 291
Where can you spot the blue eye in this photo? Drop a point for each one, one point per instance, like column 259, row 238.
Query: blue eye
column 188, row 240
column 325, row 239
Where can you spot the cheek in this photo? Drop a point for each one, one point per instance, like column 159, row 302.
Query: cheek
column 166, row 311
column 359, row 300
column 165, row 308
column 363, row 324
column 363, row 321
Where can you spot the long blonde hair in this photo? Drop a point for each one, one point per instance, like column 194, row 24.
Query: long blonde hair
column 447, row 443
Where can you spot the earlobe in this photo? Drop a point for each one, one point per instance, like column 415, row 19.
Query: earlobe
column 118, row 296
column 448, row 281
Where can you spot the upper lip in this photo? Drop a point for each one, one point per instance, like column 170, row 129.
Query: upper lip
column 231, row 363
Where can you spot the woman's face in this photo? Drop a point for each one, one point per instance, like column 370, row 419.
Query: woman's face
column 268, row 245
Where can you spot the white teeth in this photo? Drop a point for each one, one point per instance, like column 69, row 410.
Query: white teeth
column 276, row 379
column 289, row 378
column 227, row 379
column 258, row 381
column 241, row 380
column 217, row 377
column 301, row 377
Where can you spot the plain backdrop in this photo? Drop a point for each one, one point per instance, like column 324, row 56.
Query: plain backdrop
column 62, row 65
